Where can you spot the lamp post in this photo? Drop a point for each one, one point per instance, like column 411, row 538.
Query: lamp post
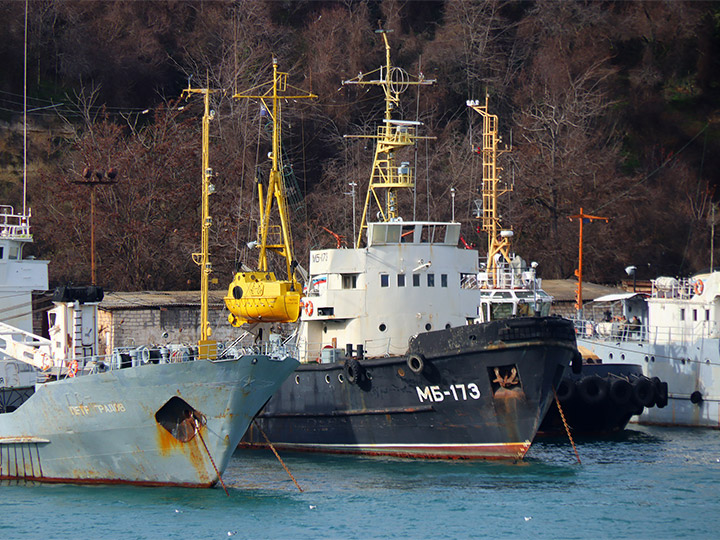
column 582, row 217
column 92, row 179
column 631, row 271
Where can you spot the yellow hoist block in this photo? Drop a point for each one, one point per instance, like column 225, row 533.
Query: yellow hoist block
column 258, row 297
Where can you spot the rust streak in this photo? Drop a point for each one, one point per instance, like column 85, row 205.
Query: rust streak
column 167, row 444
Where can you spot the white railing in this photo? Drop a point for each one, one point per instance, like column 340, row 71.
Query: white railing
column 623, row 331
column 681, row 289
column 505, row 278
column 13, row 225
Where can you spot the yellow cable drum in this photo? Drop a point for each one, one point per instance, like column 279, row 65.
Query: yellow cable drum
column 259, row 297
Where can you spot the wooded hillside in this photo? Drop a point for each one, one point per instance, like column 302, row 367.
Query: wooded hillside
column 609, row 106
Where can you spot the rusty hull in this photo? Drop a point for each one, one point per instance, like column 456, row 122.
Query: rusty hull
column 101, row 428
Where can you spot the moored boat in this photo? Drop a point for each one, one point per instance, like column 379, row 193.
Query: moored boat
column 603, row 398
column 168, row 416
column 673, row 334
column 395, row 360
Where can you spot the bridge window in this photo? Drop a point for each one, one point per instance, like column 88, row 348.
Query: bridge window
column 349, row 281
column 416, row 280
column 443, row 280
column 401, row 280
column 431, row 280
column 384, row 280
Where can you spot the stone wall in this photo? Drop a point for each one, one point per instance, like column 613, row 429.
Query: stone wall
column 134, row 327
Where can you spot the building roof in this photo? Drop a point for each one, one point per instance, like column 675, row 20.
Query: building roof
column 157, row 299
column 563, row 290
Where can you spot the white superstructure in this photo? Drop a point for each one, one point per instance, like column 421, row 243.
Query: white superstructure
column 676, row 337
column 19, row 276
column 411, row 278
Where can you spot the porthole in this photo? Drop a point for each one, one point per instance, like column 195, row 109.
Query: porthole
column 611, row 356
column 428, row 327
column 646, row 359
column 447, row 326
column 297, row 379
column 682, row 361
column 622, row 356
column 327, row 379
column 382, row 327
column 368, row 375
column 341, row 378
column 652, row 358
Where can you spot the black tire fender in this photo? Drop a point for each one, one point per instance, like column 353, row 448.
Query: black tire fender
column 353, row 371
column 416, row 363
column 644, row 392
column 661, row 392
column 621, row 392
column 566, row 390
column 593, row 389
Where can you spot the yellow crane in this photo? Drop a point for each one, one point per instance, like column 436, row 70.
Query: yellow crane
column 258, row 296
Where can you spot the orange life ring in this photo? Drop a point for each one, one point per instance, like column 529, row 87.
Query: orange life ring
column 72, row 369
column 308, row 308
column 699, row 287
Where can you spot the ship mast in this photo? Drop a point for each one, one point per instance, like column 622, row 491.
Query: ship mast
column 392, row 136
column 498, row 239
column 202, row 259
column 271, row 101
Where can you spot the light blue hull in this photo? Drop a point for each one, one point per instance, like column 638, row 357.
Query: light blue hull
column 108, row 427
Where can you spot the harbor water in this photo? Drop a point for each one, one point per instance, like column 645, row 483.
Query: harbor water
column 646, row 483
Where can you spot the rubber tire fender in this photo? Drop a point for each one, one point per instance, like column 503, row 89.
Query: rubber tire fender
column 416, row 363
column 661, row 392
column 352, row 370
column 566, row 390
column 621, row 392
column 643, row 392
column 593, row 389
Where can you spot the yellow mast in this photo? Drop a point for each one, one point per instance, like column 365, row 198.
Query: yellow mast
column 202, row 259
column 258, row 296
column 391, row 137
column 275, row 185
column 498, row 240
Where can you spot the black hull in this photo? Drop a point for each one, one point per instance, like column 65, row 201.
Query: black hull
column 598, row 410
column 464, row 401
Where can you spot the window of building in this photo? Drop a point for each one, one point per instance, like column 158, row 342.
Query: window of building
column 682, row 314
column 431, row 280
column 694, row 314
column 707, row 314
column 416, row 280
column 443, row 280
column 384, row 280
column 401, row 280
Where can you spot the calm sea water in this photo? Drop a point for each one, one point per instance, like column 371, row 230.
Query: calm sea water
column 648, row 483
